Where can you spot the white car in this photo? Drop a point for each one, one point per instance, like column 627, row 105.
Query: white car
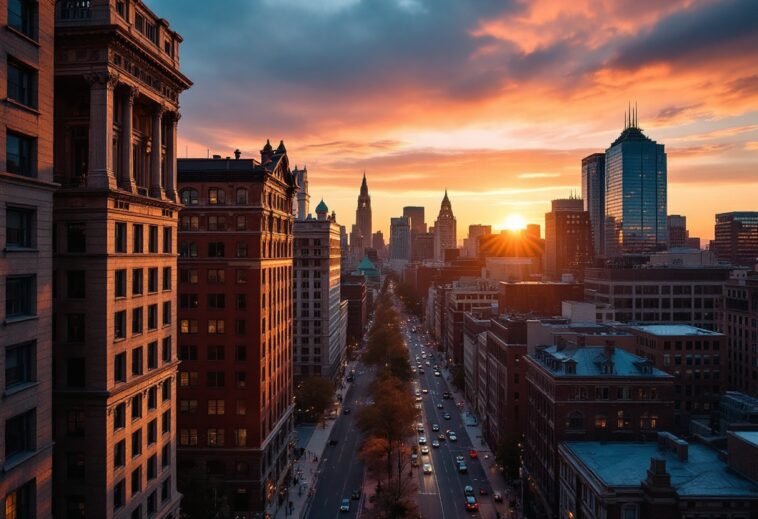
column 437, row 374
column 422, row 440
column 459, row 459
column 435, row 444
column 427, row 468
column 425, row 391
column 424, row 450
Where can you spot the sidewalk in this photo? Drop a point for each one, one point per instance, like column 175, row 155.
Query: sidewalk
column 306, row 468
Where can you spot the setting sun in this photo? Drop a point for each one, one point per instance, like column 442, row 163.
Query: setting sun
column 514, row 222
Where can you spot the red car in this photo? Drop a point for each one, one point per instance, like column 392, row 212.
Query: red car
column 473, row 454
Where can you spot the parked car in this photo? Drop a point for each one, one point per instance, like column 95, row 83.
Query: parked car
column 497, row 496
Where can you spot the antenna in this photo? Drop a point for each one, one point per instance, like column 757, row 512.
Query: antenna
column 625, row 120
column 635, row 115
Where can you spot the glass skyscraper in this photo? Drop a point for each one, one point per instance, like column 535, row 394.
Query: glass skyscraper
column 593, row 193
column 635, row 194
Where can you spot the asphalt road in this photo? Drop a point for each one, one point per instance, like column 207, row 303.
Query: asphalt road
column 341, row 471
column 441, row 493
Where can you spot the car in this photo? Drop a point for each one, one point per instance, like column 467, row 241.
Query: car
column 346, row 410
column 462, row 468
column 471, row 504
column 446, row 395
column 425, row 391
column 427, row 468
column 473, row 454
column 419, row 399
column 414, row 460
column 437, row 374
column 452, row 438
column 421, row 370
column 425, row 450
column 420, row 427
column 442, row 437
column 413, row 370
column 446, row 416
column 417, row 393
column 345, row 506
column 482, row 491
column 439, row 406
column 356, row 494
column 428, row 363
column 459, row 459
column 436, row 444
column 435, row 427
column 498, row 497
column 422, row 440
column 468, row 490
column 350, row 378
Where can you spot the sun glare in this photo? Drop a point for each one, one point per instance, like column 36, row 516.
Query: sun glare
column 514, row 222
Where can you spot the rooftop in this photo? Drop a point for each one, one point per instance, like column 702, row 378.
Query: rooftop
column 675, row 330
column 750, row 437
column 619, row 464
column 594, row 361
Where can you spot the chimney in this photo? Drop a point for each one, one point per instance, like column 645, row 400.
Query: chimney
column 217, row 157
column 657, row 475
column 560, row 343
column 237, row 154
column 609, row 348
column 682, row 449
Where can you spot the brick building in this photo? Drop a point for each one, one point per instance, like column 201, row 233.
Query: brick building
column 465, row 295
column 26, row 204
column 537, row 297
column 117, row 86
column 588, row 394
column 739, row 321
column 568, row 239
column 354, row 290
column 235, row 317
column 694, row 357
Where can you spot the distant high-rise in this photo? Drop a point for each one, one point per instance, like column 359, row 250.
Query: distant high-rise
column 422, row 246
column 444, row 230
column 415, row 215
column 363, row 214
column 677, row 231
column 303, row 200
column 400, row 239
column 635, row 193
column 471, row 243
column 568, row 238
column 377, row 242
column 737, row 237
column 593, row 192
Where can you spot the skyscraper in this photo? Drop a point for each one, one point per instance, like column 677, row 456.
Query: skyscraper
column 593, row 193
column 737, row 237
column 677, row 231
column 235, row 325
column 471, row 243
column 400, row 239
column 363, row 214
column 415, row 215
column 568, row 238
column 444, row 230
column 303, row 200
column 26, row 267
column 635, row 193
column 117, row 87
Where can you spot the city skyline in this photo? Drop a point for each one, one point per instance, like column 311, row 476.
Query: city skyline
column 540, row 87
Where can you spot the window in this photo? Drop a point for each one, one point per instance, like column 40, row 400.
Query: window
column 241, row 249
column 216, row 276
column 216, row 196
column 166, row 313
column 138, row 238
column 629, row 511
column 216, row 301
column 167, row 240
column 119, row 325
column 575, row 421
column 188, row 250
column 215, row 326
column 152, row 239
column 188, row 326
column 137, row 282
column 166, row 353
column 216, row 250
column 76, row 238
column 137, row 406
column 75, row 372
column 188, row 437
column 166, row 278
column 152, row 280
column 119, row 417
column 240, row 437
column 188, row 406
column 119, row 494
column 137, row 361
column 189, row 197
column 21, row 17
column 241, row 380
column 152, row 499
column 76, row 282
column 241, row 196
column 137, row 481
column 136, row 443
column 188, row 276
column 240, row 353
column 216, row 223
column 21, row 502
column 152, row 432
column 187, row 352
column 120, row 237
column 188, row 378
column 189, row 301
column 215, row 437
column 241, row 302
column 137, row 321
column 20, row 300
column 241, row 407
column 166, row 390
column 215, row 379
column 20, row 363
column 152, row 355
column 119, row 367
column 76, row 420
column 241, row 276
column 19, row 158
column 152, row 317
column 166, row 489
column 19, row 228
column 241, row 223
column 22, row 84
column 166, row 422
column 21, row 433
column 216, row 407
column 120, row 282
column 215, row 353
column 240, row 327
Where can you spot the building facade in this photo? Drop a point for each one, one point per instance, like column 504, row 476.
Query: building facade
column 444, row 230
column 588, row 394
column 739, row 321
column 117, row 86
column 302, row 205
column 400, row 239
column 677, row 231
column 736, row 239
column 568, row 239
column 235, row 417
column 363, row 218
column 415, row 215
column 635, row 194
column 320, row 314
column 422, row 247
column 471, row 243
column 26, row 282
column 593, row 194
column 464, row 295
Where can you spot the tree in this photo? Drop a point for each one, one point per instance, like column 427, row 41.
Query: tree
column 313, row 396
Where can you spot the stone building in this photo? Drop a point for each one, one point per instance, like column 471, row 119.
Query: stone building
column 235, row 419
column 444, row 230
column 26, row 289
column 117, row 86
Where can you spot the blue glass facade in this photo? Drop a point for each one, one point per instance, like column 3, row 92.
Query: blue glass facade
column 635, row 195
column 593, row 193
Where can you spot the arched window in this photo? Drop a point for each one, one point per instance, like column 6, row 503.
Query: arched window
column 189, row 196
column 241, row 196
column 575, row 421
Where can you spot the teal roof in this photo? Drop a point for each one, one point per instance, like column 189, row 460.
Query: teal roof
column 366, row 264
column 321, row 207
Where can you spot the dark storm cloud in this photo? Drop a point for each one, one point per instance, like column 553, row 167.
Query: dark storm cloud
column 694, row 35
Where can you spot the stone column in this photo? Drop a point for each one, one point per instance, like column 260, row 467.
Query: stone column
column 126, row 174
column 100, row 173
column 169, row 181
column 156, row 184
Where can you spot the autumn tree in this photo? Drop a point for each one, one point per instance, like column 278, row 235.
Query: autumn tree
column 313, row 396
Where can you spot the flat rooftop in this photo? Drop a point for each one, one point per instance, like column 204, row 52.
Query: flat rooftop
column 626, row 464
column 676, row 330
column 750, row 437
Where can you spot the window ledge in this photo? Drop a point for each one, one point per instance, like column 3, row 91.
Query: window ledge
column 19, row 319
column 21, row 106
column 17, row 459
column 22, row 35
column 12, row 249
column 19, row 388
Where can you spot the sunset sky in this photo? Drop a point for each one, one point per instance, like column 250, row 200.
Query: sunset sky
column 495, row 100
